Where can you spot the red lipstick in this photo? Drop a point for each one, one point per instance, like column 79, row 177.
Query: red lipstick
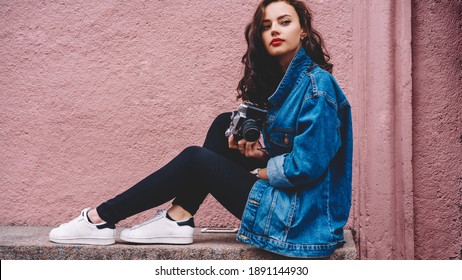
column 276, row 42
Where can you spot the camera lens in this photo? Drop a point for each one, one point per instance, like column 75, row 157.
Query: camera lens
column 250, row 130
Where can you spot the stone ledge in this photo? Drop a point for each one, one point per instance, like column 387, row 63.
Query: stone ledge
column 31, row 243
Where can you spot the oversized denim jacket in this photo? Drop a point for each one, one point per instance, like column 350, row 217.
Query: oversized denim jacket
column 302, row 209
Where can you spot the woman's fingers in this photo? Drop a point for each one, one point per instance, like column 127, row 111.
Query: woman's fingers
column 249, row 149
column 242, row 144
column 231, row 143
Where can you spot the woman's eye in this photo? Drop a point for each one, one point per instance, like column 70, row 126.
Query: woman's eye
column 266, row 27
column 286, row 22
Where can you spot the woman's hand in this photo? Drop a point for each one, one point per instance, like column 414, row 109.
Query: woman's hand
column 263, row 174
column 249, row 149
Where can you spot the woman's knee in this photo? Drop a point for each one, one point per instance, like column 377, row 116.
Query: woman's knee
column 193, row 153
column 191, row 150
column 223, row 120
column 215, row 139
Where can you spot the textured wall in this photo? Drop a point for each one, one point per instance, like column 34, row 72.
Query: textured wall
column 96, row 95
column 437, row 115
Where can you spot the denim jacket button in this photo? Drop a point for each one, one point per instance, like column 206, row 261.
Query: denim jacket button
column 286, row 139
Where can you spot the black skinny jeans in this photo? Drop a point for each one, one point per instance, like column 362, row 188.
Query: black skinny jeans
column 189, row 177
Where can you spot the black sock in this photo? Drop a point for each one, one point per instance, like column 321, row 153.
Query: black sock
column 170, row 218
column 105, row 225
column 188, row 222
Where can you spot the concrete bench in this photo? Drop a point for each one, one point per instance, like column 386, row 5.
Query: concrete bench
column 31, row 243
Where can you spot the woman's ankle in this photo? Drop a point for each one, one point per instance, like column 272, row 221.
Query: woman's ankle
column 94, row 217
column 178, row 213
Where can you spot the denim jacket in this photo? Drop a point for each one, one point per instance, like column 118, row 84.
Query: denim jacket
column 302, row 209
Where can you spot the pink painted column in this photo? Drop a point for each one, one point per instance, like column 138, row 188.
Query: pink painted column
column 383, row 208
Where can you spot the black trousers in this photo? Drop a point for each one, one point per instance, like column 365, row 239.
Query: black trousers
column 190, row 177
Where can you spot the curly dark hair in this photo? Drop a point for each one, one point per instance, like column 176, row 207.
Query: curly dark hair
column 262, row 72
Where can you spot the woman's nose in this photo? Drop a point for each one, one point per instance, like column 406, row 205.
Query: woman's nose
column 274, row 31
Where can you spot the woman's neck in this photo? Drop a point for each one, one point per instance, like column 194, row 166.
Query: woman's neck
column 286, row 59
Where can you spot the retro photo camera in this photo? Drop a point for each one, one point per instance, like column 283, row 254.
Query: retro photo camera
column 247, row 122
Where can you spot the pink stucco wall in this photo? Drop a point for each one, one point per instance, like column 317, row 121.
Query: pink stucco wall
column 437, row 133
column 96, row 95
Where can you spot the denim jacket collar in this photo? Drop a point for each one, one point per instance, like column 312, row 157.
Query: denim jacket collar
column 299, row 63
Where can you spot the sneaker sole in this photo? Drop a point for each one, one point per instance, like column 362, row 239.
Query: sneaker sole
column 84, row 241
column 159, row 240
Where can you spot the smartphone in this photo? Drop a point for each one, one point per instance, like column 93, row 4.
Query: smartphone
column 219, row 230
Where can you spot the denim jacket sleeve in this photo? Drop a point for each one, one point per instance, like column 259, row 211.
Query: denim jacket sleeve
column 316, row 142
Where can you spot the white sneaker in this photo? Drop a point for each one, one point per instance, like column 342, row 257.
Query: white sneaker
column 160, row 230
column 82, row 231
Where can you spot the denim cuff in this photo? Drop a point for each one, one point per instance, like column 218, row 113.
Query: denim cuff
column 275, row 172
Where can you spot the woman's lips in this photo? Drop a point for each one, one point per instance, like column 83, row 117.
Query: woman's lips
column 276, row 42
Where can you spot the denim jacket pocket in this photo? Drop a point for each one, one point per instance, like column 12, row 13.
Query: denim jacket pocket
column 253, row 203
column 272, row 210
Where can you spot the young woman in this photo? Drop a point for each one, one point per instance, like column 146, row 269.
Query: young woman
column 292, row 195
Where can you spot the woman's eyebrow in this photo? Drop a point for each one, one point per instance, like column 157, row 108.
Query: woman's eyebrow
column 279, row 17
